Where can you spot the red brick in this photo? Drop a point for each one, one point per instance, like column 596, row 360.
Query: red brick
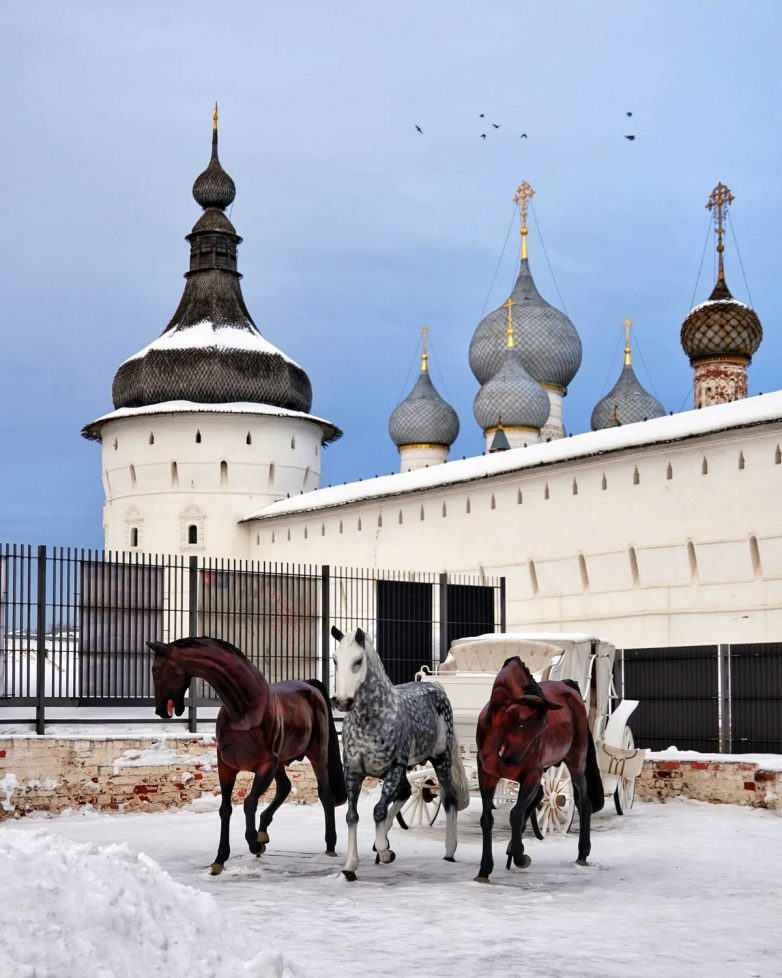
column 198, row 776
column 669, row 765
column 699, row 766
column 750, row 786
column 2, row 753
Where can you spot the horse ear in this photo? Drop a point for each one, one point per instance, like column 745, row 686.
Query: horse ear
column 548, row 705
column 159, row 648
column 337, row 633
column 540, row 702
column 360, row 638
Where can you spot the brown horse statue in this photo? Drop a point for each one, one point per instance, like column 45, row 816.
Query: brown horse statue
column 525, row 728
column 261, row 727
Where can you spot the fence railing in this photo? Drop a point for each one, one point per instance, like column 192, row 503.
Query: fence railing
column 74, row 623
column 710, row 698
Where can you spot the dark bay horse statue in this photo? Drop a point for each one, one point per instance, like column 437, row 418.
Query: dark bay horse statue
column 387, row 729
column 260, row 728
column 525, row 728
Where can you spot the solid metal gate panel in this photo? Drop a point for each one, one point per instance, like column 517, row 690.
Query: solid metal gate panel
column 678, row 693
column 404, row 627
column 470, row 611
column 756, row 697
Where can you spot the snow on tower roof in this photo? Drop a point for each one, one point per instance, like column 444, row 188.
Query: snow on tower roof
column 746, row 413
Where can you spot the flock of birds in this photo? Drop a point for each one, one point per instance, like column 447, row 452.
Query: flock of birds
column 498, row 125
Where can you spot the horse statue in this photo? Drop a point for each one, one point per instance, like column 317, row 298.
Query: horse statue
column 386, row 730
column 525, row 728
column 261, row 727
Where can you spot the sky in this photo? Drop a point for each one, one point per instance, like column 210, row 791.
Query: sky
column 131, row 894
column 358, row 230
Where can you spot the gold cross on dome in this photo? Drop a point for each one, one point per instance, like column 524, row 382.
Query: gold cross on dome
column 627, row 325
column 509, row 306
column 522, row 197
column 719, row 200
column 424, row 355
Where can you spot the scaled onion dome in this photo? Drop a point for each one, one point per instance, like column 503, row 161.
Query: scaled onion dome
column 211, row 351
column 423, row 417
column 511, row 397
column 626, row 402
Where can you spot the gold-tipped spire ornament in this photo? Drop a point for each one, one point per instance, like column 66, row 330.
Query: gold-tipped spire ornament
column 720, row 199
column 627, row 325
column 509, row 306
column 214, row 118
column 522, row 197
column 424, row 354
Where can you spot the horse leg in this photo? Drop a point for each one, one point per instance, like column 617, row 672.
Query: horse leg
column 442, row 768
column 487, row 786
column 584, row 808
column 227, row 778
column 528, row 791
column 326, row 796
column 390, row 790
column 283, row 789
column 353, row 784
column 261, row 782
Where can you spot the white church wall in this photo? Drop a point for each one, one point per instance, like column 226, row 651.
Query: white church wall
column 668, row 544
column 165, row 473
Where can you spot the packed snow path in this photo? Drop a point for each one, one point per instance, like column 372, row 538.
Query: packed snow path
column 682, row 889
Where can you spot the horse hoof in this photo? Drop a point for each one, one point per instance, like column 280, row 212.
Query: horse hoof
column 449, row 859
column 349, row 875
column 480, row 879
column 391, row 856
column 263, row 836
column 330, row 852
column 215, row 869
column 582, row 862
column 524, row 861
column 261, row 850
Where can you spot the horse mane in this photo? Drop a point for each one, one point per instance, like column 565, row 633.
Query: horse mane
column 204, row 641
column 533, row 687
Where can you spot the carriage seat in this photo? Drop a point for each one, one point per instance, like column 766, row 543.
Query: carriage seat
column 488, row 653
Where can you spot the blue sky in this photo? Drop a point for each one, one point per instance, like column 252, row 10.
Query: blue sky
column 357, row 229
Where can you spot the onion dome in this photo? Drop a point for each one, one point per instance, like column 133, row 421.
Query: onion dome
column 721, row 326
column 511, row 397
column 212, row 352
column 627, row 401
column 423, row 417
column 548, row 344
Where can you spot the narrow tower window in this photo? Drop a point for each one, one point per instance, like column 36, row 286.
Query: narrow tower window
column 174, row 475
column 198, row 438
column 741, row 460
column 493, row 502
column 249, row 438
column 271, row 474
column 778, row 456
column 546, row 494
column 669, row 471
column 445, row 510
column 467, row 507
column 575, row 488
column 604, row 483
column 636, row 476
column 151, row 438
column 223, row 473
column 704, row 466
column 133, row 475
column 192, row 533
column 134, row 536
column 519, row 498
column 293, row 442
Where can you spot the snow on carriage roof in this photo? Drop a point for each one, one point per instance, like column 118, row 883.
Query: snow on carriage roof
column 92, row 430
column 751, row 411
column 212, row 336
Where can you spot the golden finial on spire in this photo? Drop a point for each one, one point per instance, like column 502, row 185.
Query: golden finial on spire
column 424, row 354
column 509, row 306
column 214, row 118
column 523, row 195
column 627, row 325
column 720, row 199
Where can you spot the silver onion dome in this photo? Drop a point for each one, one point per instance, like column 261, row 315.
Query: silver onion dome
column 626, row 403
column 511, row 397
column 423, row 417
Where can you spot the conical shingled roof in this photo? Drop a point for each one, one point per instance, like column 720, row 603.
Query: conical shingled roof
column 211, row 352
column 511, row 397
column 721, row 327
column 626, row 403
column 549, row 346
column 423, row 417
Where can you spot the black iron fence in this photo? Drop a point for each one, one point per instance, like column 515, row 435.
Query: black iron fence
column 711, row 698
column 74, row 623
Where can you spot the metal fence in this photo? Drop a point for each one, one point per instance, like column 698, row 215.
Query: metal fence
column 74, row 623
column 711, row 698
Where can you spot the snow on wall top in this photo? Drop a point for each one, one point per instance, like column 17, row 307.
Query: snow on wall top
column 751, row 411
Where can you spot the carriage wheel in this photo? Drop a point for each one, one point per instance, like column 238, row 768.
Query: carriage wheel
column 557, row 807
column 624, row 796
column 423, row 805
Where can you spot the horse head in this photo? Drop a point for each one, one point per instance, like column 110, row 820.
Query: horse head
column 350, row 666
column 519, row 712
column 170, row 679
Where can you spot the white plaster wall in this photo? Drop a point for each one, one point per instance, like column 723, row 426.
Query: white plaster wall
column 412, row 457
column 666, row 545
column 284, row 458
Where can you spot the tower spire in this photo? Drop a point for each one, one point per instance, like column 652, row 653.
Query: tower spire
column 627, row 325
column 522, row 197
column 720, row 199
column 424, row 354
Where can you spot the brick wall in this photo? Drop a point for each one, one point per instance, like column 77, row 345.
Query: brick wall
column 124, row 774
column 723, row 781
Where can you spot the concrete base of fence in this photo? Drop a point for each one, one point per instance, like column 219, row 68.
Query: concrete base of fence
column 729, row 779
column 119, row 774
column 52, row 774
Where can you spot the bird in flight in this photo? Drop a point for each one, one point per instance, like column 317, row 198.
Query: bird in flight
column 483, row 135
column 631, row 138
column 628, row 114
column 480, row 116
column 419, row 129
column 523, row 136
column 495, row 125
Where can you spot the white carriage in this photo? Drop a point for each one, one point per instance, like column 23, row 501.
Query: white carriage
column 467, row 675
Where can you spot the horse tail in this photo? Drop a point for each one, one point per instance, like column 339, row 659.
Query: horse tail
column 459, row 776
column 335, row 770
column 594, row 780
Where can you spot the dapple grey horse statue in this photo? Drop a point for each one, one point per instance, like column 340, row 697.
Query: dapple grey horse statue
column 388, row 729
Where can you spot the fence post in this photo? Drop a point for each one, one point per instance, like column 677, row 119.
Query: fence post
column 325, row 631
column 503, row 611
column 725, row 718
column 40, row 644
column 192, row 628
column 443, row 617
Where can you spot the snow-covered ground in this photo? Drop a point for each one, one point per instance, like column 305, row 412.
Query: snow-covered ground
column 681, row 889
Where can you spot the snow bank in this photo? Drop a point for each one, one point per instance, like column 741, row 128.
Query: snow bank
column 72, row 909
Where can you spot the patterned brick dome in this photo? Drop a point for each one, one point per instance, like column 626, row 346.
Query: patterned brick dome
column 721, row 327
